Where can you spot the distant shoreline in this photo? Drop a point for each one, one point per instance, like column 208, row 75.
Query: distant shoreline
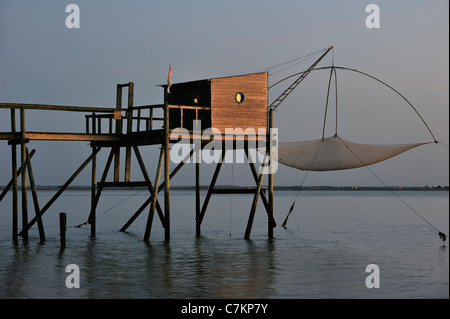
column 314, row 188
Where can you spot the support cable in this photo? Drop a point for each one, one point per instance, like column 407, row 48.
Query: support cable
column 372, row 77
column 441, row 234
column 111, row 208
column 295, row 199
column 287, row 65
column 326, row 104
column 336, row 99
column 231, row 195
column 298, row 192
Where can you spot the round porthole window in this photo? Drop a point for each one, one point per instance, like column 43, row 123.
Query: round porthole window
column 239, row 97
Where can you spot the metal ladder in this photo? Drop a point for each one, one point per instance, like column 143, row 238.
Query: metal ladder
column 292, row 87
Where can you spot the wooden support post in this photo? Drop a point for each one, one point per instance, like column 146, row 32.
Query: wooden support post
column 93, row 190
column 14, row 178
column 149, row 183
column 148, row 201
column 197, row 142
column 255, row 200
column 11, row 182
column 263, row 195
column 129, row 130
column 62, row 229
column 211, row 187
column 60, row 191
column 197, row 197
column 269, row 146
column 100, row 187
column 136, row 214
column 166, row 174
column 35, row 199
column 24, row 176
column 154, row 197
column 118, row 132
column 176, row 169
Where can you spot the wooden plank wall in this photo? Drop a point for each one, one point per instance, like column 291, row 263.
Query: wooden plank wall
column 227, row 113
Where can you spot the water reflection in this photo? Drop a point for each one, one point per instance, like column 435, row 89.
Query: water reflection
column 13, row 279
column 206, row 268
column 320, row 255
column 196, row 268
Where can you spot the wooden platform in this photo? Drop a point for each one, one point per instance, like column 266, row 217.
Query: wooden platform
column 212, row 101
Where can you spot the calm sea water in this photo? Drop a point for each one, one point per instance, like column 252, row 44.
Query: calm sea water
column 330, row 238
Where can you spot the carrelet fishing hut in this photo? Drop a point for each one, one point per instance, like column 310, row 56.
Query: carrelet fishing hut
column 231, row 113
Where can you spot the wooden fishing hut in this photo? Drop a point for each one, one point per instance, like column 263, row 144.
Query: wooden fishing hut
column 236, row 103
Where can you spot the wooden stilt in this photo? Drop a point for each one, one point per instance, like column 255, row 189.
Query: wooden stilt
column 197, row 140
column 24, row 176
column 118, row 131
column 148, row 181
column 94, row 190
column 18, row 172
column 211, row 188
column 197, row 198
column 62, row 229
column 100, row 186
column 13, row 183
column 160, row 188
column 14, row 196
column 263, row 195
column 154, row 197
column 14, row 179
column 166, row 174
column 136, row 214
column 60, row 191
column 129, row 130
column 148, row 201
column 255, row 200
column 35, row 199
column 271, row 222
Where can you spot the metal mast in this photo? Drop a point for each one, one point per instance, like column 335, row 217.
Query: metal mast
column 292, row 87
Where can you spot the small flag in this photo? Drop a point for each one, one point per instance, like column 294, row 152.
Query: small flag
column 169, row 79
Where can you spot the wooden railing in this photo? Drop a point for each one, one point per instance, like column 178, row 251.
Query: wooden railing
column 139, row 118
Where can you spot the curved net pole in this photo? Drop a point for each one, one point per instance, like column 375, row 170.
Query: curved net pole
column 372, row 77
column 415, row 110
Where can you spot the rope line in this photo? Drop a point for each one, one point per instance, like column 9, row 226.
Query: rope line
column 297, row 60
column 441, row 235
column 301, row 186
column 119, row 203
column 111, row 208
column 443, row 144
column 372, row 77
column 295, row 199
column 231, row 195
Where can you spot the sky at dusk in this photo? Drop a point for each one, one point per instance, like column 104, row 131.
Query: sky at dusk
column 44, row 62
